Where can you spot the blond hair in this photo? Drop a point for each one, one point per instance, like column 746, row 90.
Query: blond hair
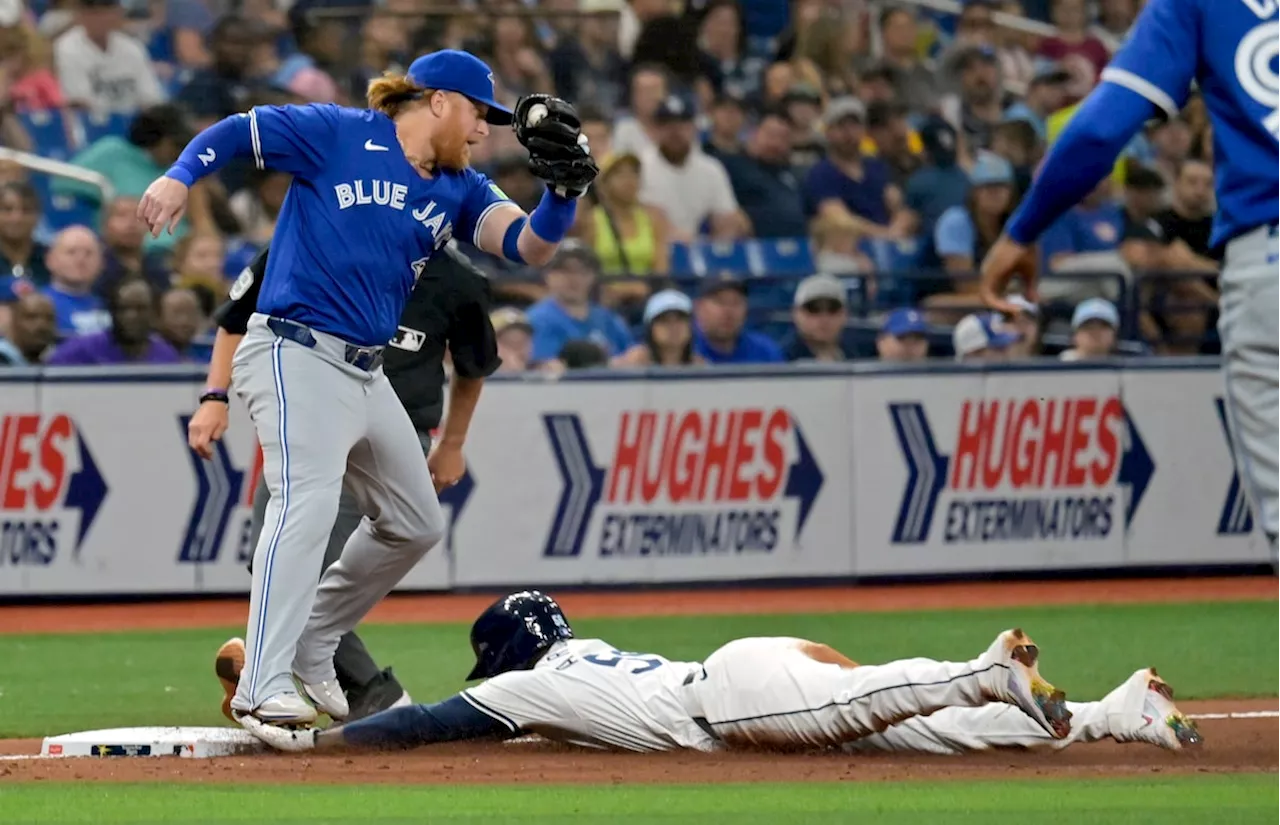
column 388, row 94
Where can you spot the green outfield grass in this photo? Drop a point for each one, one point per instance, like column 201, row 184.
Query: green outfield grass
column 61, row 683
column 1221, row 800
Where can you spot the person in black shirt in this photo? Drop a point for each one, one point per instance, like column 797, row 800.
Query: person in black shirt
column 449, row 308
column 1178, row 307
column 1190, row 216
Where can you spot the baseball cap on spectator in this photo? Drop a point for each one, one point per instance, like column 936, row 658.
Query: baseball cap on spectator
column 1095, row 309
column 939, row 140
column 505, row 318
column 715, row 284
column 844, row 108
column 450, row 70
column 975, row 333
column 990, row 170
column 610, row 163
column 668, row 300
column 573, row 253
column 675, row 107
column 1048, row 71
column 903, row 322
column 820, row 287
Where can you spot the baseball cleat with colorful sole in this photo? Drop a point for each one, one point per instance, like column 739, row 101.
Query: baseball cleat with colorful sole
column 1142, row 710
column 1015, row 678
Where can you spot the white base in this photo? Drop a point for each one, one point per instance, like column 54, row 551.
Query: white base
column 189, row 743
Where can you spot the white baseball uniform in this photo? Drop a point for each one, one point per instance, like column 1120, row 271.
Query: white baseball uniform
column 755, row 691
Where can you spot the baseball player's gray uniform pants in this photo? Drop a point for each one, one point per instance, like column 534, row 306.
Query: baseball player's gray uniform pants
column 1250, row 353
column 320, row 419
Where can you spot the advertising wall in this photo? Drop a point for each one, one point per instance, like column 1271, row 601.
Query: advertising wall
column 700, row 476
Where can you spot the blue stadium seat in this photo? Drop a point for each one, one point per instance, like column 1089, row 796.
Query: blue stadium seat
column 64, row 210
column 48, row 133
column 786, row 256
column 99, row 125
column 681, row 260
column 718, row 258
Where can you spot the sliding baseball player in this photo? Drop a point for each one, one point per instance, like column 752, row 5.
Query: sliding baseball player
column 779, row 693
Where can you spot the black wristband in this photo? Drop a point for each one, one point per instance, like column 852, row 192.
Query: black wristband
column 215, row 395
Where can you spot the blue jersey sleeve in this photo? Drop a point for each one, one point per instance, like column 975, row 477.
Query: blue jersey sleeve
column 293, row 139
column 482, row 196
column 452, row 720
column 1085, row 153
column 1160, row 58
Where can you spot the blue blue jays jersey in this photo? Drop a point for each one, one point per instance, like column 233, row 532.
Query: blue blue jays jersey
column 359, row 222
column 1230, row 48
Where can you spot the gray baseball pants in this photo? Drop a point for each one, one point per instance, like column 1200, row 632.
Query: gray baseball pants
column 1250, row 353
column 320, row 419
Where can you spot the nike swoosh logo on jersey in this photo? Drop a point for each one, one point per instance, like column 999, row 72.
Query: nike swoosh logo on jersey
column 370, row 146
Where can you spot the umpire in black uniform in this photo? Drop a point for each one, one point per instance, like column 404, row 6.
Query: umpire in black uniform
column 449, row 308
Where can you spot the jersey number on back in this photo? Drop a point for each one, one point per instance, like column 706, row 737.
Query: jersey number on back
column 639, row 662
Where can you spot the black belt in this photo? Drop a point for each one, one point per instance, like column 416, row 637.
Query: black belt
column 362, row 358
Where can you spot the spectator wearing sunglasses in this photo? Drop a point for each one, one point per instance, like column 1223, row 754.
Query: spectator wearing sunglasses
column 820, row 313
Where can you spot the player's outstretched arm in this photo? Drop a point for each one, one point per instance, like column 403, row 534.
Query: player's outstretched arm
column 1083, row 155
column 452, row 720
column 291, row 139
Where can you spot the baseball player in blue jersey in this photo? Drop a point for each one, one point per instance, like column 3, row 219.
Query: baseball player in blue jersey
column 1229, row 48
column 376, row 192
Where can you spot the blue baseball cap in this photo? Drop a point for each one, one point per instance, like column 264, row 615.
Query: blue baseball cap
column 904, row 321
column 451, row 70
column 1095, row 309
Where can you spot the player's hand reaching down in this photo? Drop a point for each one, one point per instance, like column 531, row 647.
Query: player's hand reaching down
column 207, row 426
column 446, row 465
column 163, row 205
column 1005, row 260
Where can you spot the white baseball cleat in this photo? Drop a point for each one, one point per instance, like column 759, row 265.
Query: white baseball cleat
column 286, row 709
column 287, row 739
column 328, row 697
column 1142, row 710
column 1014, row 677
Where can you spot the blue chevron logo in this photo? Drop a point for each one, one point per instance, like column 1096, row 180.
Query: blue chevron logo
column 1237, row 516
column 1041, row 505
column 583, row 484
column 218, row 485
column 926, row 473
column 730, row 515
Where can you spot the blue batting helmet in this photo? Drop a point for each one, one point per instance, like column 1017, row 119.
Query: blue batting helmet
column 511, row 633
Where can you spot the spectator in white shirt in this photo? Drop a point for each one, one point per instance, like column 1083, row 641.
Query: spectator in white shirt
column 100, row 67
column 690, row 186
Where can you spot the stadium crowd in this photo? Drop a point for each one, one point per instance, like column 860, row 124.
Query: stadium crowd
column 813, row 180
